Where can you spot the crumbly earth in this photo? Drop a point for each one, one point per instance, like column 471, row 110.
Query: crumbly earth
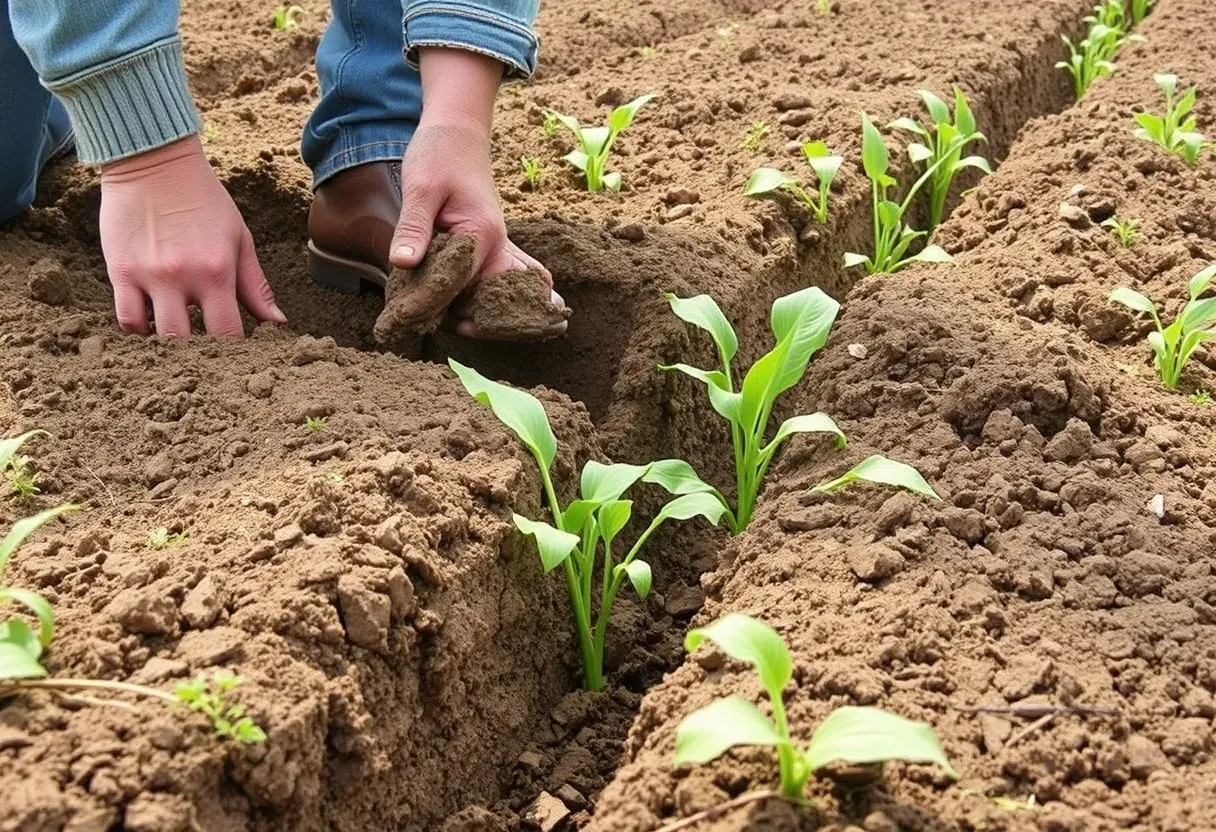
column 413, row 668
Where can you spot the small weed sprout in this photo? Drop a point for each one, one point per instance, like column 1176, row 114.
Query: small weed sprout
column 160, row 538
column 573, row 540
column 284, row 17
column 943, row 141
column 727, row 32
column 648, row 52
column 21, row 479
column 595, row 143
column 550, row 124
column 209, row 696
column 1127, row 231
column 765, row 181
column 533, row 170
column 1174, row 345
column 1200, row 397
column 1175, row 130
column 892, row 235
column 823, row 6
column 316, row 423
column 800, row 323
column 755, row 137
column 854, row 735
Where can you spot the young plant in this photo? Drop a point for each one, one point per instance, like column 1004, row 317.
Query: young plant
column 892, row 235
column 823, row 6
column 595, row 143
column 1175, row 130
column 944, row 140
column 550, row 124
column 1201, row 397
column 1092, row 58
column 1126, row 231
column 1139, row 9
column 209, row 696
column 852, row 735
column 800, row 323
column 160, row 538
column 532, row 171
column 284, row 17
column 765, row 181
column 593, row 521
column 1174, row 345
column 316, row 423
column 21, row 479
column 755, row 136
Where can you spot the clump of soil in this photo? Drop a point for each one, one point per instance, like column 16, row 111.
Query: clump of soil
column 517, row 306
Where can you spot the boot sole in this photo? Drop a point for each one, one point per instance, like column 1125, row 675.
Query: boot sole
column 340, row 274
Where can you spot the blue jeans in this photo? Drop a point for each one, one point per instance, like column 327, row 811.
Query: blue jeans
column 36, row 126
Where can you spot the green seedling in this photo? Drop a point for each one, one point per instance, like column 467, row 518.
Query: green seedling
column 755, row 137
column 1200, row 397
column 210, row 697
column 823, row 6
column 532, row 171
column 1174, row 345
column 1139, row 9
column 800, row 324
column 944, row 142
column 727, row 32
column 892, row 235
column 316, row 423
column 593, row 521
column 851, row 735
column 1175, row 130
column 595, row 143
column 284, row 17
column 1109, row 13
column 648, row 52
column 21, row 479
column 1092, row 58
column 1126, row 231
column 766, row 181
column 160, row 538
column 550, row 124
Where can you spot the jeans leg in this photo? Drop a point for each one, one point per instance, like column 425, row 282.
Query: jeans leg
column 370, row 98
column 36, row 126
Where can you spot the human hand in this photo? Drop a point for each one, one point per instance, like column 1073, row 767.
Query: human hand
column 171, row 234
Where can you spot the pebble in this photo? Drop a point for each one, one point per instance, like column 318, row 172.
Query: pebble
column 1075, row 216
column 48, row 283
column 545, row 813
column 678, row 212
column 632, row 232
column 287, row 536
column 202, row 604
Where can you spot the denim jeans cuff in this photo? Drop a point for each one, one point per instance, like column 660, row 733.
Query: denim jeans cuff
column 456, row 25
column 360, row 154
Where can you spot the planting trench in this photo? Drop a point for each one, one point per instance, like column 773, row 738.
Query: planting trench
column 364, row 580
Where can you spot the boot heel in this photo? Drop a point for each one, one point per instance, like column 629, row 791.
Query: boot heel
column 342, row 275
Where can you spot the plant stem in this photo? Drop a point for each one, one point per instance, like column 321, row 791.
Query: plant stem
column 791, row 786
column 12, row 686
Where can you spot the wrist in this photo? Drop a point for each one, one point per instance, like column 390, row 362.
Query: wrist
column 458, row 88
column 141, row 164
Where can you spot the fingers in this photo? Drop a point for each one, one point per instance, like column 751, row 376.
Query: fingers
column 172, row 316
column 130, row 308
column 529, row 261
column 252, row 289
column 222, row 316
column 420, row 205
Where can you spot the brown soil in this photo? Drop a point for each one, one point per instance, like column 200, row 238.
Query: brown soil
column 397, row 640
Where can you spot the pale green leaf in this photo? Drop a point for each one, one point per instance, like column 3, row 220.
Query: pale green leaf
column 882, row 471
column 612, row 181
column 601, row 483
column 15, row 631
column 874, row 156
column 16, row 663
column 687, row 506
column 932, row 254
column 624, row 115
column 918, row 153
column 10, row 446
column 708, row 733
column 24, row 527
column 577, row 158
column 703, row 311
column 1198, row 284
column 612, row 518
column 1134, row 300
column 553, row 544
column 871, row 735
column 852, row 259
column 676, row 476
column 765, row 181
column 519, row 411
column 939, row 111
column 744, row 638
column 36, row 604
column 638, row 572
column 809, row 423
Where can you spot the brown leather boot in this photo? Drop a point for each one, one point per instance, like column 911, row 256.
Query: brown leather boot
column 350, row 227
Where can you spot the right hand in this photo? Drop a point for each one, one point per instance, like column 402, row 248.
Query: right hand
column 171, row 234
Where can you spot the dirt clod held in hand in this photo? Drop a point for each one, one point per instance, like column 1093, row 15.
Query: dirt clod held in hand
column 416, row 300
column 517, row 306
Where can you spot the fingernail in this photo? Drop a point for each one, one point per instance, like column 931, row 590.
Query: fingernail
column 276, row 315
column 403, row 252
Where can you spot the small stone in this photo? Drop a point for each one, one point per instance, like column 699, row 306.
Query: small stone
column 48, row 283
column 401, row 593
column 545, row 813
column 794, row 118
column 1075, row 216
column 144, row 611
column 632, row 231
column 324, row 452
column 208, row 648
column 531, row 760
column 202, row 604
column 1145, row 757
column 162, row 489
column 13, row 738
column 92, row 347
column 678, row 212
column 875, row 562
column 1073, row 443
column 165, row 735
column 158, row 469
column 571, row 796
column 682, row 196
column 365, row 613
column 858, row 351
column 792, row 101
column 388, row 536
column 289, row 535
column 308, row 350
column 261, row 384
column 965, row 523
column 750, row 54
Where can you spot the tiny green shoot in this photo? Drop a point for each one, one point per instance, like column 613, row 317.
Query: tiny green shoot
column 823, row 6
column 284, row 17
column 210, row 697
column 1139, row 9
column 766, row 181
column 800, row 323
column 1092, row 58
column 1126, row 231
column 892, row 235
column 943, row 141
column 591, row 523
column 550, row 124
column 160, row 538
column 648, row 52
column 1174, row 345
column 1201, row 397
column 21, row 478
column 1175, row 130
column 316, row 423
column 533, row 170
column 755, row 136
column 595, row 144
column 851, row 735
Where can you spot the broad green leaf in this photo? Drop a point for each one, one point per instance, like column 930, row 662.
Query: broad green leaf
column 826, row 168
column 703, row 311
column 577, row 514
column 744, row 638
column 15, row 631
column 577, row 158
column 765, row 181
column 815, row 150
column 711, row 378
column 883, row 471
column 918, row 153
column 852, row 259
column 687, row 506
column 1191, row 343
column 1197, row 314
column 809, row 423
column 1133, row 300
column 874, row 156
column 932, row 254
column 963, row 116
column 602, row 483
column 36, row 604
column 16, row 663
column 708, row 733
column 10, row 446
column 1157, row 341
column 909, row 125
column 612, row 518
column 519, row 411
column 553, row 544
column 977, row 162
column 612, row 181
column 595, row 141
column 676, row 476
column 803, row 319
column 1186, row 103
column 569, row 122
column 1198, row 284
column 872, row 735
column 1152, row 124
column 724, row 403
column 890, row 215
column 638, row 572
column 624, row 115
column 26, row 526
column 938, row 109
